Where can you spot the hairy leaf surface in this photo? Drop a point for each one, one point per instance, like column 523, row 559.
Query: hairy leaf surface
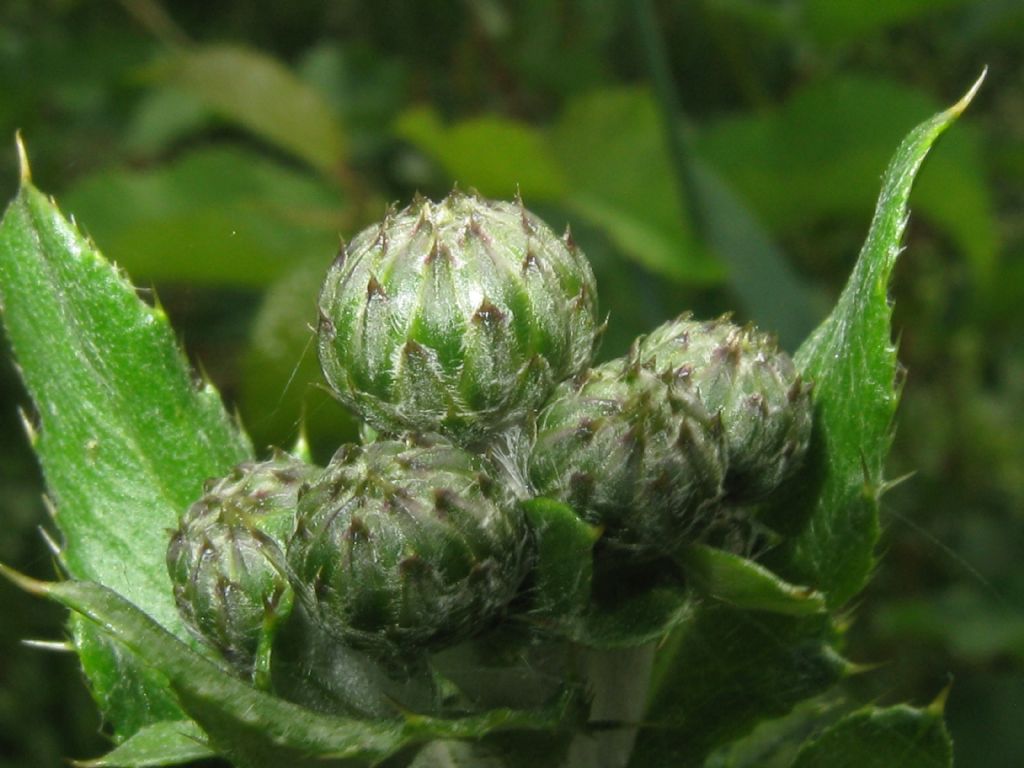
column 125, row 436
column 171, row 742
column 851, row 361
column 257, row 730
column 878, row 738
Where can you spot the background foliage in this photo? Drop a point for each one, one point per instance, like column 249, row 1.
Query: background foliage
column 217, row 155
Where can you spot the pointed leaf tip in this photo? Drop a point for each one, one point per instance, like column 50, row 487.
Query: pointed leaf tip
column 854, row 668
column 958, row 108
column 937, row 706
column 24, row 170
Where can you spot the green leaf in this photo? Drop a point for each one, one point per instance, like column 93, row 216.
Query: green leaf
column 828, row 140
column 880, row 738
column 216, row 215
column 774, row 743
column 743, row 583
column 495, row 155
column 260, row 94
column 171, row 742
column 128, row 693
column 726, row 670
column 619, row 175
column 164, row 116
column 255, row 729
column 851, row 361
column 565, row 565
column 836, row 22
column 125, row 436
column 645, row 617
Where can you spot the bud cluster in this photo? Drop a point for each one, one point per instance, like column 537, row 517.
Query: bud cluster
column 463, row 333
column 697, row 416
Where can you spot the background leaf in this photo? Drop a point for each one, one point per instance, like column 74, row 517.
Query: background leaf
column 282, row 389
column 834, row 22
column 852, row 363
column 865, row 117
column 125, row 437
column 497, row 156
column 630, row 193
column 257, row 92
column 759, row 272
column 220, row 215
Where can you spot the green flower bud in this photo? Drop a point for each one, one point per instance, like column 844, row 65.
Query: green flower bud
column 740, row 374
column 632, row 452
column 407, row 547
column 456, row 317
column 226, row 559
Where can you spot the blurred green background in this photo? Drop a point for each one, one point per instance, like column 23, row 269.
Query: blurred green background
column 711, row 155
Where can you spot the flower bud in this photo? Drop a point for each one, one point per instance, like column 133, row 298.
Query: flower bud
column 226, row 559
column 741, row 375
column 407, row 547
column 631, row 452
column 457, row 317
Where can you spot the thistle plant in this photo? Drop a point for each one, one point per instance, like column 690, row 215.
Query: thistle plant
column 522, row 563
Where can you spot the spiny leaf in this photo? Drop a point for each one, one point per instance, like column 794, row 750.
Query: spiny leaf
column 829, row 141
column 255, row 729
column 725, row 671
column 743, row 583
column 171, row 742
column 851, row 361
column 125, row 436
column 879, row 738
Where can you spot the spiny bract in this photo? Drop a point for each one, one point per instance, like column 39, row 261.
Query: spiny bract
column 741, row 375
column 457, row 317
column 226, row 560
column 630, row 451
column 407, row 547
